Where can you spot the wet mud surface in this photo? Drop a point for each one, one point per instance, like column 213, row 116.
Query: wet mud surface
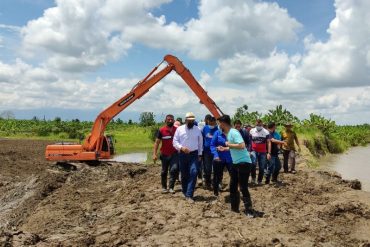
column 120, row 204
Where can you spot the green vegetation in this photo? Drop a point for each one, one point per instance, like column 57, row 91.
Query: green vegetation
column 318, row 134
column 129, row 136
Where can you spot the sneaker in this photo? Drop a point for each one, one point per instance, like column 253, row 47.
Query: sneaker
column 172, row 191
column 220, row 187
column 190, row 200
column 293, row 171
column 164, row 191
column 249, row 213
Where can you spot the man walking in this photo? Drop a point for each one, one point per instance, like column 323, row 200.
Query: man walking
column 289, row 151
column 168, row 154
column 188, row 141
column 260, row 146
column 208, row 131
column 274, row 165
column 241, row 167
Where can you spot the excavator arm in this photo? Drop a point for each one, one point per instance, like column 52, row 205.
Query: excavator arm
column 92, row 145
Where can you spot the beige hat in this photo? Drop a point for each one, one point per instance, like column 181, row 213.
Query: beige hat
column 189, row 116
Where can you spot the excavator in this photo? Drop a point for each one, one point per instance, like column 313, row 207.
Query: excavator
column 97, row 146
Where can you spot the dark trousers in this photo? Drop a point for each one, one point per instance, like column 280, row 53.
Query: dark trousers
column 289, row 154
column 218, row 171
column 273, row 168
column 260, row 160
column 189, row 168
column 207, row 167
column 169, row 163
column 239, row 178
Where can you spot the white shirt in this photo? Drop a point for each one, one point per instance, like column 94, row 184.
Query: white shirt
column 190, row 138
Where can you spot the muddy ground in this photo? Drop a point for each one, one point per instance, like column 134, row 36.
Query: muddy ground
column 121, row 205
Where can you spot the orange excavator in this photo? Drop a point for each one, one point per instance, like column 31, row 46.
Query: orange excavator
column 98, row 146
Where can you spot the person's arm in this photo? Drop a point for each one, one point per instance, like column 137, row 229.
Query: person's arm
column 236, row 145
column 273, row 140
column 214, row 146
column 200, row 144
column 156, row 145
column 155, row 149
column 176, row 141
column 239, row 141
column 268, row 148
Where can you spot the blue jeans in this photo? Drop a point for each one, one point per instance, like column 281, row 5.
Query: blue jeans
column 189, row 168
column 169, row 163
column 260, row 159
column 207, row 166
column 273, row 168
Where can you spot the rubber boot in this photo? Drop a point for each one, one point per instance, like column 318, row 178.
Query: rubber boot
column 235, row 202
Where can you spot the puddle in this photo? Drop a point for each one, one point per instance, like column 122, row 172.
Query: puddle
column 354, row 164
column 140, row 157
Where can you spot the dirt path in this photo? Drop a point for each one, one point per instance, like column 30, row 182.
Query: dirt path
column 121, row 204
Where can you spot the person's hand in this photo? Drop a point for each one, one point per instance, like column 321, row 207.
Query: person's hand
column 155, row 157
column 226, row 144
column 217, row 159
column 221, row 148
column 185, row 150
column 268, row 156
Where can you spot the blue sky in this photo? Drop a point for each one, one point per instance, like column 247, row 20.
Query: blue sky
column 303, row 19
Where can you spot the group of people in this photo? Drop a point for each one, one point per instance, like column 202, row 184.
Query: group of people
column 206, row 149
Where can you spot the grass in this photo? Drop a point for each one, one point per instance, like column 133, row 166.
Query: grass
column 128, row 139
column 133, row 139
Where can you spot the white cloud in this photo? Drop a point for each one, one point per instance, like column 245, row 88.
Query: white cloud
column 85, row 34
column 242, row 35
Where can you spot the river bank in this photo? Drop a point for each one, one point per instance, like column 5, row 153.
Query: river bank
column 120, row 204
column 353, row 164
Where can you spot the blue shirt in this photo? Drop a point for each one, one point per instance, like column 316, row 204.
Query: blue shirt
column 275, row 147
column 208, row 133
column 238, row 155
column 219, row 139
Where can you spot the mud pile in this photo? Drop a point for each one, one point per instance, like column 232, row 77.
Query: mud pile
column 121, row 205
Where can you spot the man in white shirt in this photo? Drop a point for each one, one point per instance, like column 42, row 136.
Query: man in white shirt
column 188, row 141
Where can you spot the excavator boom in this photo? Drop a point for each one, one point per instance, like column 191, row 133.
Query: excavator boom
column 96, row 145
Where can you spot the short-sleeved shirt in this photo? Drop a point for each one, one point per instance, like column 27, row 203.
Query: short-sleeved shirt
column 275, row 147
column 166, row 135
column 259, row 140
column 289, row 137
column 238, row 155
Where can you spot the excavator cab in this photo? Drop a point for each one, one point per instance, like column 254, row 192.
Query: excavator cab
column 107, row 148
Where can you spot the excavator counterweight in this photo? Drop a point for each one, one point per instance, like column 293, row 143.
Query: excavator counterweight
column 98, row 146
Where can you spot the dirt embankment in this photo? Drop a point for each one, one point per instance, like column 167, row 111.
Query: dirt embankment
column 121, row 205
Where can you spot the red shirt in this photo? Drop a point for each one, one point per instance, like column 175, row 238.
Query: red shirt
column 259, row 140
column 166, row 135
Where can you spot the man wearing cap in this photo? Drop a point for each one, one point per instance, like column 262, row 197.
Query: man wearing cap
column 289, row 151
column 188, row 141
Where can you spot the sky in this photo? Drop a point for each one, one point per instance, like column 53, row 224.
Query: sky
column 73, row 58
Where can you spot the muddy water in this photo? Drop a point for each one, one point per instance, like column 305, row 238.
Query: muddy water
column 138, row 157
column 354, row 164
